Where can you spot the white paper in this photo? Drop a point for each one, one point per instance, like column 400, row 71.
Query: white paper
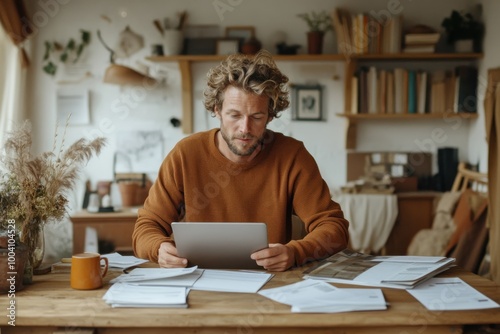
column 409, row 258
column 320, row 297
column 450, row 294
column 143, row 274
column 116, row 260
column 126, row 295
column 231, row 281
column 186, row 280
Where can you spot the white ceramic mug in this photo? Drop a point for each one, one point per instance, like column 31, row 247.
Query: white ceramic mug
column 172, row 42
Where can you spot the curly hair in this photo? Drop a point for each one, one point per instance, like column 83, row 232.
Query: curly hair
column 256, row 74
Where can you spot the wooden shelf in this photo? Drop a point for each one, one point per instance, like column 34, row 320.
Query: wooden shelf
column 351, row 68
column 208, row 58
column 353, row 119
column 184, row 62
column 408, row 116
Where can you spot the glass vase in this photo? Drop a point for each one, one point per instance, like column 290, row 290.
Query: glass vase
column 33, row 237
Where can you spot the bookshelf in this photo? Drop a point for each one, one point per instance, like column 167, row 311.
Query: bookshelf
column 185, row 61
column 352, row 63
column 358, row 60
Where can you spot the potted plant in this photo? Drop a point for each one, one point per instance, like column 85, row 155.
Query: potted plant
column 319, row 23
column 33, row 189
column 463, row 31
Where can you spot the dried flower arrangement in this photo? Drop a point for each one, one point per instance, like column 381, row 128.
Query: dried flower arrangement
column 33, row 189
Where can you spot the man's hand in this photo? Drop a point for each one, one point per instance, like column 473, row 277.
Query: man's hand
column 277, row 257
column 167, row 257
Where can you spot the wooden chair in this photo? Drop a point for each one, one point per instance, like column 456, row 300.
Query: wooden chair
column 471, row 236
column 468, row 179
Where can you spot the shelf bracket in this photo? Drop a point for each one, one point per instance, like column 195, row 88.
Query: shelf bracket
column 351, row 134
column 187, row 99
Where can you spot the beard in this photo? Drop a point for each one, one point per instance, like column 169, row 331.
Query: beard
column 246, row 151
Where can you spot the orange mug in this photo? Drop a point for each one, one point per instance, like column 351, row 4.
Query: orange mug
column 86, row 271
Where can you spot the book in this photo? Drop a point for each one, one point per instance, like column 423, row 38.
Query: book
column 429, row 38
column 467, row 86
column 419, row 49
column 400, row 272
column 412, row 92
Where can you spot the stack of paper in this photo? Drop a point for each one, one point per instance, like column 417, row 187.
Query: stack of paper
column 162, row 287
column 314, row 296
column 131, row 295
column 401, row 272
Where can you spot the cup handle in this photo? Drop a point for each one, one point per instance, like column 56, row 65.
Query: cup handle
column 105, row 270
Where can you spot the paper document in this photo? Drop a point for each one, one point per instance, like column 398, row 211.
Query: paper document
column 147, row 274
column 320, row 297
column 231, row 281
column 117, row 260
column 126, row 295
column 450, row 294
column 356, row 268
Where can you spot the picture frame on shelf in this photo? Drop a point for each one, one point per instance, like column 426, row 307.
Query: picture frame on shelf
column 240, row 32
column 307, row 103
column 227, row 46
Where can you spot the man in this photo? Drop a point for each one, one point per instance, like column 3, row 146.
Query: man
column 243, row 172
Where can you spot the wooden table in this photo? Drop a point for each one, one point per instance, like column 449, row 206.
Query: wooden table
column 50, row 306
column 114, row 227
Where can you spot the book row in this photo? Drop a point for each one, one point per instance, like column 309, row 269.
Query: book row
column 381, row 91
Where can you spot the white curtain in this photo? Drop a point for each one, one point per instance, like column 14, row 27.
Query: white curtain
column 11, row 86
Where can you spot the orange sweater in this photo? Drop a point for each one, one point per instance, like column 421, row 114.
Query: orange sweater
column 197, row 181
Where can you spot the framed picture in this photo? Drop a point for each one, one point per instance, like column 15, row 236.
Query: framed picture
column 240, row 32
column 306, row 103
column 227, row 46
column 72, row 106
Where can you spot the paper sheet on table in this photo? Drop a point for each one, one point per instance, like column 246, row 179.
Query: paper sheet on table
column 186, row 280
column 143, row 274
column 450, row 294
column 117, row 260
column 320, row 297
column 231, row 281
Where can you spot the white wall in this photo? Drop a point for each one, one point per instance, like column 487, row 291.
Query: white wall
column 115, row 108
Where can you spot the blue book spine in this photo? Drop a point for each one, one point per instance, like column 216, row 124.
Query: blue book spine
column 412, row 92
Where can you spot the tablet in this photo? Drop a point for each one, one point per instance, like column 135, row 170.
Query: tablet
column 220, row 245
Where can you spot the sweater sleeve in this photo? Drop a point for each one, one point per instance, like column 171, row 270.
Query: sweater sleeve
column 163, row 206
column 327, row 230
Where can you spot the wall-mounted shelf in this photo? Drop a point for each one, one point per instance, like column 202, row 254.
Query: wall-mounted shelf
column 354, row 63
column 353, row 119
column 185, row 61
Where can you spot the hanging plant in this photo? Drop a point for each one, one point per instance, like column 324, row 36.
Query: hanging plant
column 70, row 52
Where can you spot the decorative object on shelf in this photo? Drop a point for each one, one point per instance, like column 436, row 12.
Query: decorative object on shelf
column 306, row 102
column 247, row 42
column 227, row 46
column 464, row 31
column 319, row 24
column 123, row 75
column 71, row 52
column 420, row 39
column 251, row 46
column 33, row 189
column 284, row 49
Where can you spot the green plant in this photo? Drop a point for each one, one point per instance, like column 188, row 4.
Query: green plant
column 461, row 26
column 69, row 52
column 317, row 21
column 33, row 189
